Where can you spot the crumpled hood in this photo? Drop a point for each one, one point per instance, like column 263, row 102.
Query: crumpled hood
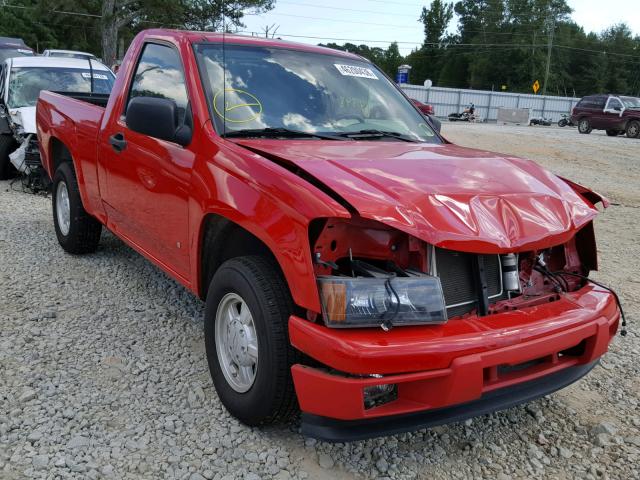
column 449, row 196
column 25, row 116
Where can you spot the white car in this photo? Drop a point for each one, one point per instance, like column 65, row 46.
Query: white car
column 21, row 80
column 69, row 54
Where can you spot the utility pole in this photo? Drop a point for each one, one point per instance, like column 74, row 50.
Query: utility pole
column 552, row 27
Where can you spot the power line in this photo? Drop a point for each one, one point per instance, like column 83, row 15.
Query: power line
column 346, row 9
column 410, row 4
column 353, row 22
column 63, row 12
column 445, row 45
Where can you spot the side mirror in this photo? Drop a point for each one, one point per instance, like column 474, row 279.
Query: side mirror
column 617, row 108
column 158, row 118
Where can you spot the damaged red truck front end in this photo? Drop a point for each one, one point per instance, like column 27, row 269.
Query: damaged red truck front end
column 510, row 244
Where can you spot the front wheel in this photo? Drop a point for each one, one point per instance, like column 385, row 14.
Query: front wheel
column 584, row 126
column 247, row 343
column 633, row 129
column 563, row 122
column 77, row 231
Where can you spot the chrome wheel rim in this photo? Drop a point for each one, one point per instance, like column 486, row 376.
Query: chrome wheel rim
column 633, row 131
column 236, row 342
column 584, row 126
column 63, row 208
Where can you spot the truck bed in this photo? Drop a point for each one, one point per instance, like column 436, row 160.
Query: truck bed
column 99, row 99
column 74, row 120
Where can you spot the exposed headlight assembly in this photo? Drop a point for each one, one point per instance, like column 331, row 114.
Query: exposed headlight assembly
column 381, row 302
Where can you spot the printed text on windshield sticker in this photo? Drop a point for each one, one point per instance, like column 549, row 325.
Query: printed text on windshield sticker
column 354, row 71
column 99, row 76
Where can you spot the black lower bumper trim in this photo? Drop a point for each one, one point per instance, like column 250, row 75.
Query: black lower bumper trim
column 332, row 430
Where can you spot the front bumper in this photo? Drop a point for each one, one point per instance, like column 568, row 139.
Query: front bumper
column 464, row 362
column 331, row 430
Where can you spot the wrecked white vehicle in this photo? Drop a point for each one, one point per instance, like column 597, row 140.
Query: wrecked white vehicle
column 21, row 81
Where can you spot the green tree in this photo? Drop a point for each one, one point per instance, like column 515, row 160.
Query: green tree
column 427, row 61
column 97, row 25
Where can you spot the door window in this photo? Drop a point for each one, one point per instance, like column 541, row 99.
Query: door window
column 159, row 74
column 614, row 104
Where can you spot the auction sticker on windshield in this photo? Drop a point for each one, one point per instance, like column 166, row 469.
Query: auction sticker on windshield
column 99, row 76
column 354, row 71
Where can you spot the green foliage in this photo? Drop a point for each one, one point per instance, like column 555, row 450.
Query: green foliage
column 504, row 42
column 41, row 27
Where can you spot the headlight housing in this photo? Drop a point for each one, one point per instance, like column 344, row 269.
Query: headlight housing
column 349, row 302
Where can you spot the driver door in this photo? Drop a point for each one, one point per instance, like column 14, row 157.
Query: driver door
column 148, row 179
column 612, row 114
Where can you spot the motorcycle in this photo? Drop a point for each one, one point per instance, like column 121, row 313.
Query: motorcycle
column 540, row 121
column 465, row 116
column 565, row 121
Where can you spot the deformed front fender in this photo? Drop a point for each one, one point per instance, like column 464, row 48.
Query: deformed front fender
column 589, row 195
column 271, row 203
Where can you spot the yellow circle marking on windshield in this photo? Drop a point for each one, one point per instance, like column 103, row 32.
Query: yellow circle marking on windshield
column 249, row 101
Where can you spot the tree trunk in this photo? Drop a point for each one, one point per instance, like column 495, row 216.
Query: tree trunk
column 109, row 32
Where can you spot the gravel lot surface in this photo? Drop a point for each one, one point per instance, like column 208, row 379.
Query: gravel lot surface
column 103, row 373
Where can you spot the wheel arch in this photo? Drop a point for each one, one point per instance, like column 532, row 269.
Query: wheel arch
column 221, row 239
column 59, row 153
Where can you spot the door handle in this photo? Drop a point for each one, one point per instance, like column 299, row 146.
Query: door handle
column 117, row 141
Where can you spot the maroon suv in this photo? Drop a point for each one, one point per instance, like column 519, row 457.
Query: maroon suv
column 616, row 114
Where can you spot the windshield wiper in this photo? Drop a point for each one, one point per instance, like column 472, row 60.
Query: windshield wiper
column 279, row 132
column 372, row 133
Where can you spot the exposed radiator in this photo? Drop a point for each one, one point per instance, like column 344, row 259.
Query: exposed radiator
column 457, row 272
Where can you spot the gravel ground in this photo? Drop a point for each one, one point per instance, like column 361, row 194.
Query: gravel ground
column 103, row 373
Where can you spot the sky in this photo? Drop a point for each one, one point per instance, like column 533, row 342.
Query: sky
column 379, row 22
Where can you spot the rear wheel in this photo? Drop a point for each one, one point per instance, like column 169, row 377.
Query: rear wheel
column 246, row 336
column 584, row 126
column 7, row 146
column 77, row 231
column 633, row 129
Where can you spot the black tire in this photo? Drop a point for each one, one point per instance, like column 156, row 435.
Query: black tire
column 563, row 122
column 7, row 146
column 613, row 133
column 259, row 282
column 84, row 231
column 584, row 126
column 633, row 129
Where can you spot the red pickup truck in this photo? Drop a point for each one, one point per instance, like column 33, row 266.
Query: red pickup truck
column 355, row 265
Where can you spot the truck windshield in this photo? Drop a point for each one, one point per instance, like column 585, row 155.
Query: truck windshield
column 631, row 102
column 269, row 90
column 25, row 83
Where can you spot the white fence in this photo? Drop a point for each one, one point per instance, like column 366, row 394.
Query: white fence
column 450, row 100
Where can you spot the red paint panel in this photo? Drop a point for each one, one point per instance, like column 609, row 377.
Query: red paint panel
column 449, row 196
column 465, row 379
column 417, row 348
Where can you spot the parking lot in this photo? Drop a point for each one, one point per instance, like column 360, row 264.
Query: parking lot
column 103, row 372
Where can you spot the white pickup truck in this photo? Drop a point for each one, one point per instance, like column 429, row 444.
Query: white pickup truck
column 21, row 80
